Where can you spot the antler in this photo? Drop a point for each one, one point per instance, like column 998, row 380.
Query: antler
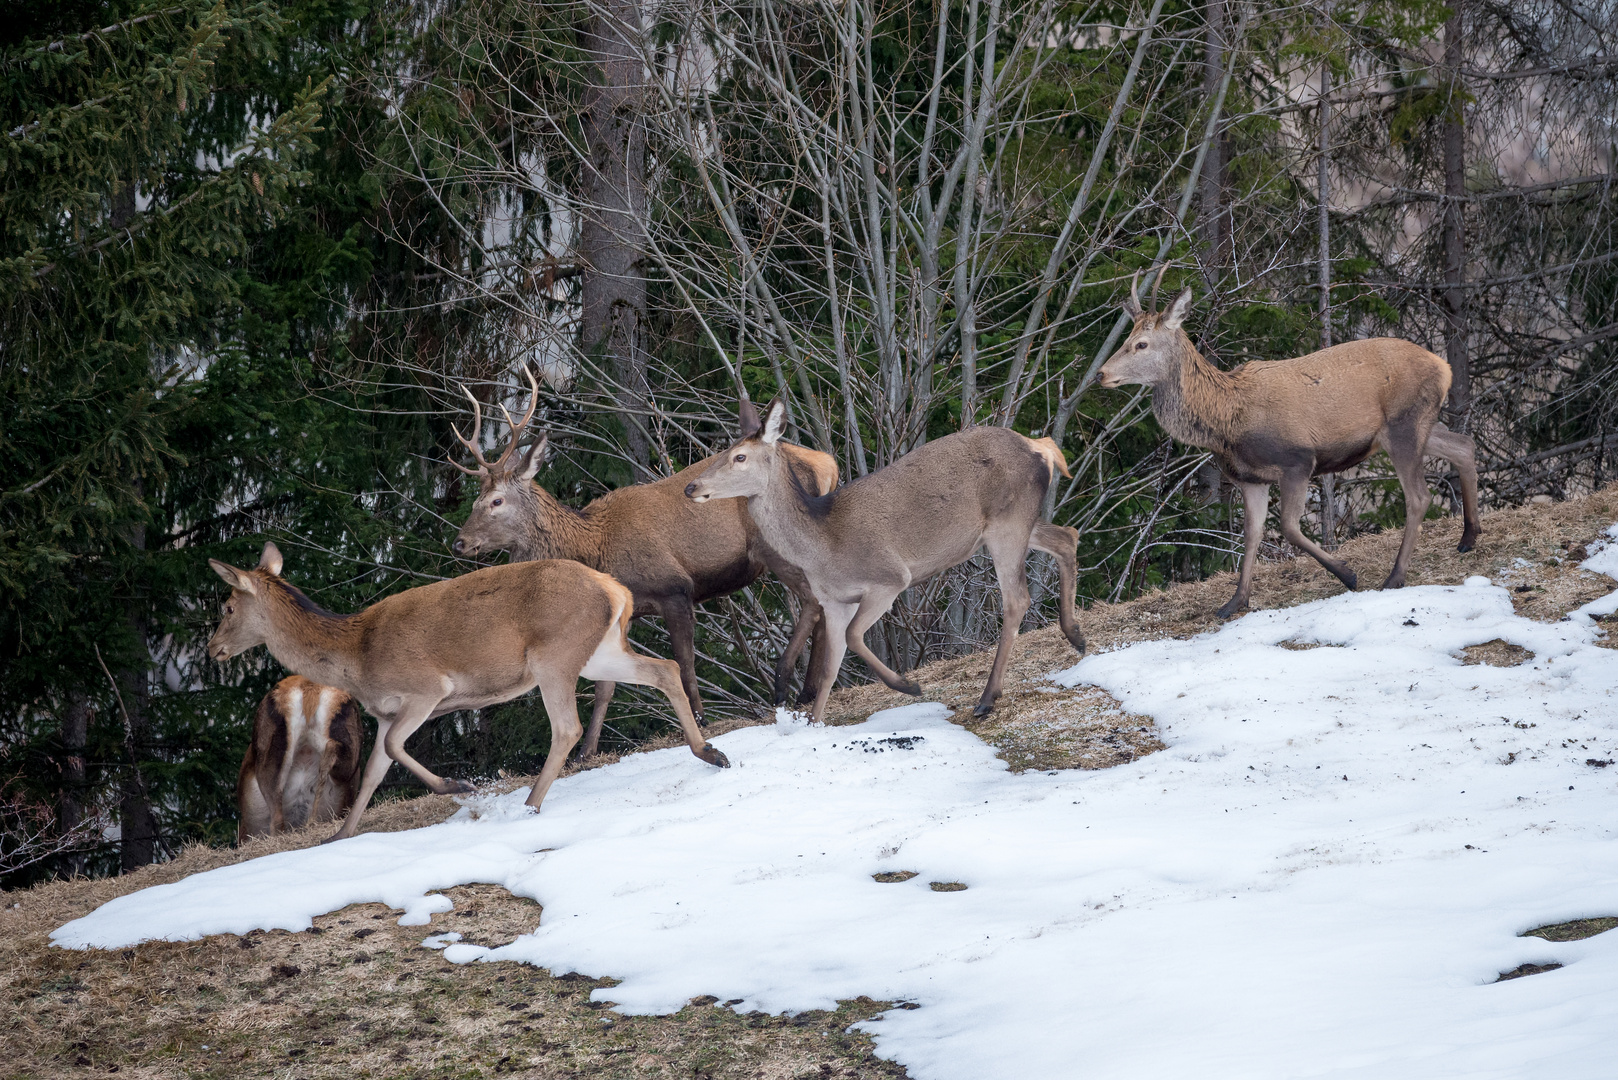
column 485, row 466
column 1157, row 280
column 1133, row 307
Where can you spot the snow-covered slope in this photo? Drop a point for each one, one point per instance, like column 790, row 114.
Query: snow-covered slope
column 1321, row 876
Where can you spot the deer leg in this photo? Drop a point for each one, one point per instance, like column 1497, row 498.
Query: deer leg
column 808, row 615
column 324, row 786
column 1404, row 447
column 1294, row 497
column 1256, row 501
column 375, row 769
column 598, row 717
column 1062, row 544
column 1010, row 567
column 405, row 722
column 250, row 802
column 272, row 769
column 1460, row 451
column 873, row 606
column 681, row 622
column 615, row 659
column 561, row 705
column 815, row 670
column 835, row 620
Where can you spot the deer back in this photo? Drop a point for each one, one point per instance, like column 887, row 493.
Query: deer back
column 1334, row 401
column 929, row 510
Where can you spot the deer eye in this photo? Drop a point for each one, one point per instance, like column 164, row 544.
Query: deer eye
column 1140, row 344
column 497, row 502
column 229, row 610
column 741, row 457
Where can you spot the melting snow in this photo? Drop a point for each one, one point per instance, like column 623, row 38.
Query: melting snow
column 1321, row 876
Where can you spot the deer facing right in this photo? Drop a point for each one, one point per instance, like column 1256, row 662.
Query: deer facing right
column 1284, row 421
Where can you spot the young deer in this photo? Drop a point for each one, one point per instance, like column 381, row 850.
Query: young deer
column 670, row 553
column 865, row 543
column 303, row 763
column 1284, row 421
column 465, row 643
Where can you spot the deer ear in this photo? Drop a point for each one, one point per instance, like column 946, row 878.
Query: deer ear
column 1175, row 315
column 749, row 423
column 775, row 422
column 236, row 579
column 271, row 559
column 534, row 457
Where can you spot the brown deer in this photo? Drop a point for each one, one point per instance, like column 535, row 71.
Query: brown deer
column 669, row 552
column 1284, row 421
column 465, row 643
column 303, row 763
column 865, row 543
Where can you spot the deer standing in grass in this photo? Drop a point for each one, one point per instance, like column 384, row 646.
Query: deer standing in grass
column 669, row 552
column 465, row 643
column 865, row 543
column 303, row 763
column 1284, row 421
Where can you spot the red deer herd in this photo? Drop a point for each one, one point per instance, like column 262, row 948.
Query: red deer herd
column 560, row 610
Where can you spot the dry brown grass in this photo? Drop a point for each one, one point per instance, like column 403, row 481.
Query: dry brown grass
column 358, row 997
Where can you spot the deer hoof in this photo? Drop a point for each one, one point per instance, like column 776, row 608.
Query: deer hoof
column 1231, row 608
column 1350, row 580
column 710, row 754
column 1465, row 544
column 1395, row 581
column 911, row 688
column 982, row 709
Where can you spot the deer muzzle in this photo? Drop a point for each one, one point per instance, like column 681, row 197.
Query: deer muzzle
column 695, row 495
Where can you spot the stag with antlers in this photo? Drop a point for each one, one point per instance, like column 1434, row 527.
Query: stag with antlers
column 670, row 552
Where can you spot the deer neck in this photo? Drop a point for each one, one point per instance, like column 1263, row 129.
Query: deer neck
column 790, row 518
column 1195, row 404
column 312, row 642
column 554, row 530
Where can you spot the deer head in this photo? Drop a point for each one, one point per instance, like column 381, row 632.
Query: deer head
column 502, row 507
column 745, row 468
column 244, row 623
column 1151, row 354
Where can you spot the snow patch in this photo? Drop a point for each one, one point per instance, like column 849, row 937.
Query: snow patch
column 1322, row 875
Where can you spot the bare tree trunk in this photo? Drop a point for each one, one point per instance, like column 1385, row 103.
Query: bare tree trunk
column 137, row 829
column 613, row 190
column 1328, row 483
column 1213, row 216
column 1455, row 306
column 70, row 805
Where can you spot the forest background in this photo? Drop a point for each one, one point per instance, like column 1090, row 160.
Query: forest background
column 251, row 252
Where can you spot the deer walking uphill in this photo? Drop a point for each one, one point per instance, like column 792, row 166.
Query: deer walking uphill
column 465, row 643
column 303, row 763
column 670, row 553
column 1282, row 422
column 862, row 545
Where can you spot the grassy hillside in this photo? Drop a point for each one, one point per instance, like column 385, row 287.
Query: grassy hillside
column 359, row 997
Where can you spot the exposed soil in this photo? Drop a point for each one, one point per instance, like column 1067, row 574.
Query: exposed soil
column 359, row 997
column 1577, row 930
column 1526, row 969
